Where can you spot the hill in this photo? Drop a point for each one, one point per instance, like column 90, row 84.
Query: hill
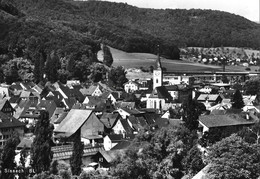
column 125, row 27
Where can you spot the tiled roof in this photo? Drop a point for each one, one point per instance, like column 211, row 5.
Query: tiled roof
column 109, row 119
column 9, row 121
column 65, row 151
column 126, row 126
column 209, row 97
column 2, row 103
column 225, row 120
column 25, row 142
column 60, row 118
column 115, row 137
column 121, row 145
column 73, row 121
column 161, row 92
column 131, row 111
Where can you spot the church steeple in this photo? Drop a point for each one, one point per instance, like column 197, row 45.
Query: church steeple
column 158, row 60
column 157, row 72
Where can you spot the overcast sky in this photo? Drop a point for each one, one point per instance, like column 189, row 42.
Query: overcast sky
column 247, row 8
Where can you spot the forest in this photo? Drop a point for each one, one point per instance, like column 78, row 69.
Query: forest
column 72, row 31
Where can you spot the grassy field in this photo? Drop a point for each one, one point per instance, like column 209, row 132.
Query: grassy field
column 145, row 60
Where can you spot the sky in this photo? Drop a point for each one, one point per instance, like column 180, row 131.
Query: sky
column 246, row 8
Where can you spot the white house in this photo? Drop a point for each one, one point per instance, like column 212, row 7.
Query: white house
column 131, row 86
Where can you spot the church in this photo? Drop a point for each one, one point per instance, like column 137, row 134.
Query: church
column 160, row 95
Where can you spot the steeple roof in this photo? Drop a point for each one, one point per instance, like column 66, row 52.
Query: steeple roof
column 158, row 60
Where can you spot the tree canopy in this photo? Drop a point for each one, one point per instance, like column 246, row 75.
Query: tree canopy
column 237, row 100
column 41, row 154
column 233, row 158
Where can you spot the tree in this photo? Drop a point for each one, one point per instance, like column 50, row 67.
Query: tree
column 193, row 162
column 237, row 100
column 117, row 76
column 108, row 58
column 251, row 134
column 155, row 154
column 41, row 154
column 191, row 112
column 8, row 155
column 252, row 86
column 233, row 158
column 52, row 66
column 76, row 158
column 38, row 67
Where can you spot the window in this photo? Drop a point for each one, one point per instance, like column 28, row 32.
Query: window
column 157, row 81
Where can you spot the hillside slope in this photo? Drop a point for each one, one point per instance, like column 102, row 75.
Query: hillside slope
column 125, row 27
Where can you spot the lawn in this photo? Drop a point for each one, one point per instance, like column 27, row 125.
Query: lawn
column 145, row 60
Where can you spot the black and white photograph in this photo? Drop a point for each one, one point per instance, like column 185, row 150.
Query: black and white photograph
column 129, row 89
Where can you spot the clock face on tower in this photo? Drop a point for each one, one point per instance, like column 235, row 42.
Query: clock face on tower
column 157, row 73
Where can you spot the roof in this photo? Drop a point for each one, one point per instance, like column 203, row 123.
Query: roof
column 25, row 142
column 73, row 121
column 60, row 118
column 209, row 97
column 133, row 82
column 2, row 103
column 161, row 92
column 126, row 126
column 123, row 104
column 109, row 158
column 162, row 122
column 109, row 119
column 172, row 88
column 89, row 91
column 115, row 137
column 132, row 111
column 9, row 121
column 211, row 121
column 121, row 145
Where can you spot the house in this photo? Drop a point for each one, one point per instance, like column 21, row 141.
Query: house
column 8, row 125
column 122, row 127
column 159, row 97
column 113, row 96
column 125, row 112
column 111, row 140
column 32, row 95
column 31, row 110
column 131, row 86
column 109, row 120
column 211, row 98
column 64, row 153
column 91, row 128
column 175, row 80
column 93, row 90
column 6, row 107
column 230, row 122
column 4, row 91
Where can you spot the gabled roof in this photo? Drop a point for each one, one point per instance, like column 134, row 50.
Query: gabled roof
column 126, row 126
column 131, row 111
column 90, row 90
column 133, row 82
column 109, row 119
column 121, row 145
column 172, row 88
column 25, row 142
column 162, row 122
column 73, row 121
column 60, row 118
column 115, row 137
column 2, row 103
column 161, row 92
column 225, row 120
column 9, row 121
column 209, row 97
column 122, row 104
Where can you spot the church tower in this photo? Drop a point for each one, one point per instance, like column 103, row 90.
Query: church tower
column 157, row 72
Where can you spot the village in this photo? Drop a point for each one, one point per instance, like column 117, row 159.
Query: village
column 107, row 121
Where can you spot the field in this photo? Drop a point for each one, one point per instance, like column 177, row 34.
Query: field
column 145, row 60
